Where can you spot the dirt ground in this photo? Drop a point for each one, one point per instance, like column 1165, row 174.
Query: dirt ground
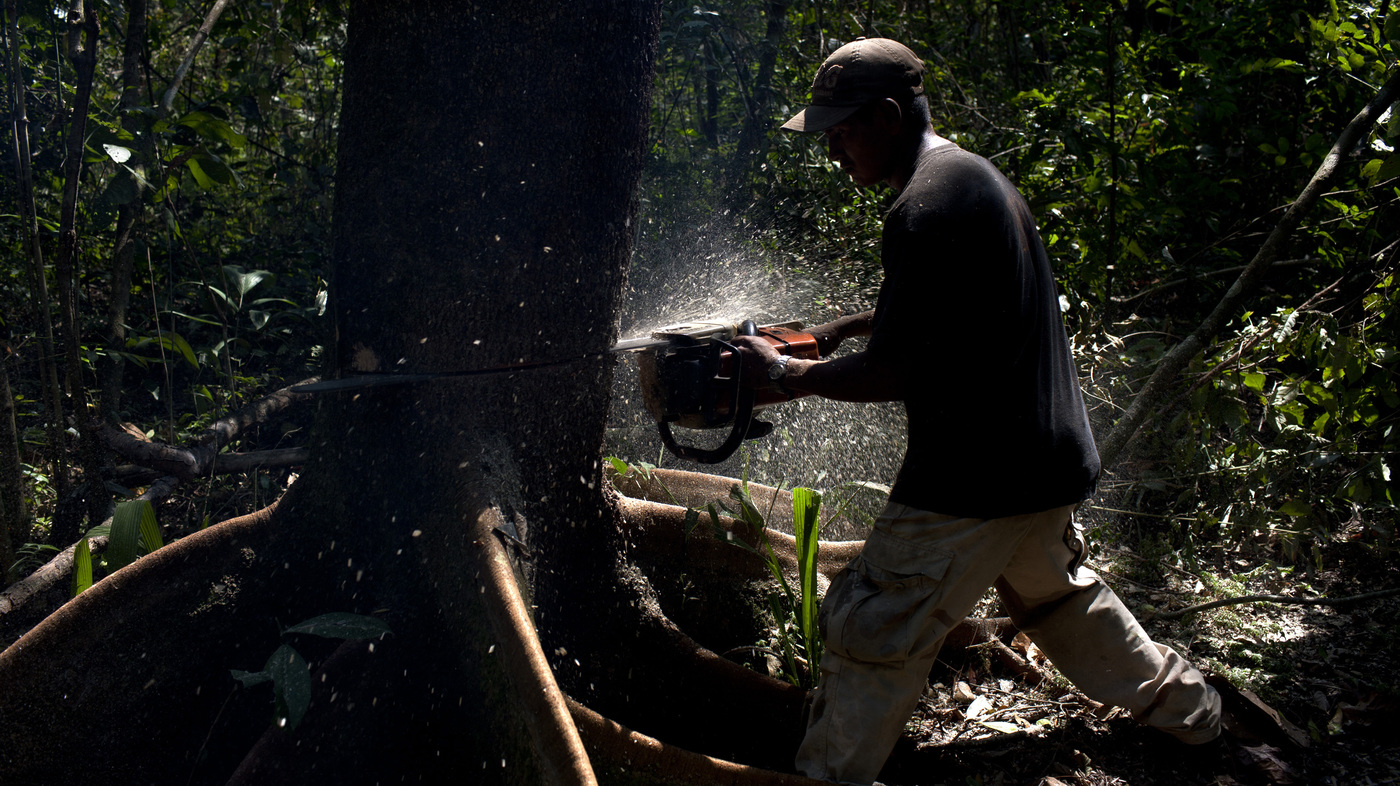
column 1330, row 672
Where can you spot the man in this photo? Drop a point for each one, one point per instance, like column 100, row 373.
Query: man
column 967, row 333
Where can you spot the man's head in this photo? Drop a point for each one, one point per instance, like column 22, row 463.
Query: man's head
column 868, row 98
column 857, row 74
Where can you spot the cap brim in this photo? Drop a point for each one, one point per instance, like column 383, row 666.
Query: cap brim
column 819, row 118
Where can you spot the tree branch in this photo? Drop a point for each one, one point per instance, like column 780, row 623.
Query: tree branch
column 1171, row 365
column 1283, row 599
column 225, row 430
column 168, row 100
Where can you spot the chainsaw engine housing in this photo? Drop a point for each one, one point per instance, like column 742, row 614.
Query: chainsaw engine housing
column 694, row 381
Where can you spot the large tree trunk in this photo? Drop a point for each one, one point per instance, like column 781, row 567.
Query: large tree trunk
column 485, row 203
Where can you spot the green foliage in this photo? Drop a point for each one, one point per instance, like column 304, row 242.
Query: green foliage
column 1293, row 439
column 230, row 193
column 794, row 613
column 289, row 672
column 31, row 556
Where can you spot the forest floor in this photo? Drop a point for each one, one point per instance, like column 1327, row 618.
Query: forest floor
column 1331, row 672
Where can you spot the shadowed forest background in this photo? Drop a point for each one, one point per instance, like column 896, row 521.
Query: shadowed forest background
column 165, row 215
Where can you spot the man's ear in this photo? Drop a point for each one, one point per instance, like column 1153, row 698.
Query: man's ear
column 889, row 115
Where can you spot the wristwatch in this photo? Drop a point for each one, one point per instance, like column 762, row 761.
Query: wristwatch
column 777, row 372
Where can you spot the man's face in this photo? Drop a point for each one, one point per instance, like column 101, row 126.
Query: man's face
column 863, row 146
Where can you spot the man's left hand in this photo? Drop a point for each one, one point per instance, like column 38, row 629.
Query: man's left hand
column 755, row 355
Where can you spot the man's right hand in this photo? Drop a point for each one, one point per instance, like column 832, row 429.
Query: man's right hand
column 830, row 335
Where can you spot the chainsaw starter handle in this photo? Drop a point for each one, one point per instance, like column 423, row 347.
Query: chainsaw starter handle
column 741, row 406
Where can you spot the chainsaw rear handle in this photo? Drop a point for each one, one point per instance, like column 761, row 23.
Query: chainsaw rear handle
column 741, row 404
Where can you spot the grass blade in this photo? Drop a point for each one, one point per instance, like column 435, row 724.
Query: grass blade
column 82, row 567
column 806, row 505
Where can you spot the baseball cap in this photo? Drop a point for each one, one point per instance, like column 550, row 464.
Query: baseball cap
column 865, row 70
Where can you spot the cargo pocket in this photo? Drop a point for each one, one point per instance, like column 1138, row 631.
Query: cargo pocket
column 882, row 603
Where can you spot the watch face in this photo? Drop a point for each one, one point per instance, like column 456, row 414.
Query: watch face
column 777, row 370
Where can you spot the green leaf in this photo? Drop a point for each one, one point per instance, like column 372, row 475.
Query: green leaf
column 291, row 685
column 1388, row 170
column 1294, row 507
column 178, row 343
column 246, row 281
column 150, row 531
column 250, row 678
column 748, row 512
column 692, row 517
column 619, row 466
column 126, row 531
column 342, row 625
column 201, row 177
column 1254, row 381
column 200, row 320
column 122, row 188
column 1001, row 726
column 82, row 567
column 213, row 128
column 214, row 169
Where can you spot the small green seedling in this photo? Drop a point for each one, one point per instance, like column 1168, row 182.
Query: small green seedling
column 289, row 672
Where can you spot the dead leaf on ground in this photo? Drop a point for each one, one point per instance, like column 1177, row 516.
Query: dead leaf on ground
column 1267, row 762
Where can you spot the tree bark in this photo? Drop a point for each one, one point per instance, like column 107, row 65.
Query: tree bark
column 82, row 52
column 128, row 217
column 1169, row 368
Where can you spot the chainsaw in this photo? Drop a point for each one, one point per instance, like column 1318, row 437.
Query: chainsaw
column 693, row 380
column 690, row 376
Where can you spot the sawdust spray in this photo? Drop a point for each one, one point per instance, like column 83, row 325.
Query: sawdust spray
column 815, row 442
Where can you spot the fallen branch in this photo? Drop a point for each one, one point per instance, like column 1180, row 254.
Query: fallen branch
column 225, row 430
column 1013, row 660
column 204, row 458
column 58, row 568
column 1247, row 345
column 1282, row 599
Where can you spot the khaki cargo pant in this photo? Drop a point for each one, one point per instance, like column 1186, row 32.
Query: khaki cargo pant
column 919, row 574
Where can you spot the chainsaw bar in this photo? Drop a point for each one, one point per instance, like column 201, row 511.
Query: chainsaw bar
column 366, row 381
